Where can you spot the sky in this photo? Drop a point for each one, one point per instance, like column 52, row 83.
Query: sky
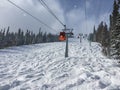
column 72, row 13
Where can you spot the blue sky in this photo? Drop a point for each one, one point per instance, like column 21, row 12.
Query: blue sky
column 96, row 11
column 95, row 7
column 70, row 12
column 95, row 4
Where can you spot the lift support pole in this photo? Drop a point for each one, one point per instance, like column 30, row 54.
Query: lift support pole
column 67, row 33
column 66, row 50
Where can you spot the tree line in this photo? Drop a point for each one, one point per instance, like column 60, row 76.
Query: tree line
column 8, row 38
column 109, row 37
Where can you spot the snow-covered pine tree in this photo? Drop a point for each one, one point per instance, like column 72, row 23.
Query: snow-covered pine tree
column 116, row 39
column 113, row 19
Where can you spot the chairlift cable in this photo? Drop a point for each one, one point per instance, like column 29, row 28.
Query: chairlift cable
column 50, row 11
column 30, row 15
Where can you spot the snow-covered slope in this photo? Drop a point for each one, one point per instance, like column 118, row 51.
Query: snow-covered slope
column 43, row 67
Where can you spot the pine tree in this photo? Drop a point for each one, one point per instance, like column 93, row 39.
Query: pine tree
column 115, row 12
column 50, row 38
column 94, row 34
column 113, row 29
column 33, row 38
column 45, row 37
column 13, row 39
column 7, row 39
column 27, row 38
column 116, row 45
column 91, row 36
column 40, row 36
column 99, row 33
column 1, row 39
column 105, row 36
column 18, row 37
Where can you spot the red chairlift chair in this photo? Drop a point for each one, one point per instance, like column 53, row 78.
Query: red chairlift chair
column 62, row 36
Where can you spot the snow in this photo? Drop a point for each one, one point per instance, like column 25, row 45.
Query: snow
column 44, row 67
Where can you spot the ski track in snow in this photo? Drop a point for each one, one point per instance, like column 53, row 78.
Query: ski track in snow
column 43, row 67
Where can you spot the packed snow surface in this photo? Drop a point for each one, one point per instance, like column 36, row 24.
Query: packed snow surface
column 44, row 67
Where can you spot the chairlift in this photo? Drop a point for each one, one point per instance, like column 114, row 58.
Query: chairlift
column 62, row 36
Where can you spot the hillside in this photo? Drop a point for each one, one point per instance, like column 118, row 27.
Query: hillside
column 43, row 67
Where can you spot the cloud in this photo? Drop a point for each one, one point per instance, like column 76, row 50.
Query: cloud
column 81, row 24
column 76, row 19
column 88, row 4
column 15, row 18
